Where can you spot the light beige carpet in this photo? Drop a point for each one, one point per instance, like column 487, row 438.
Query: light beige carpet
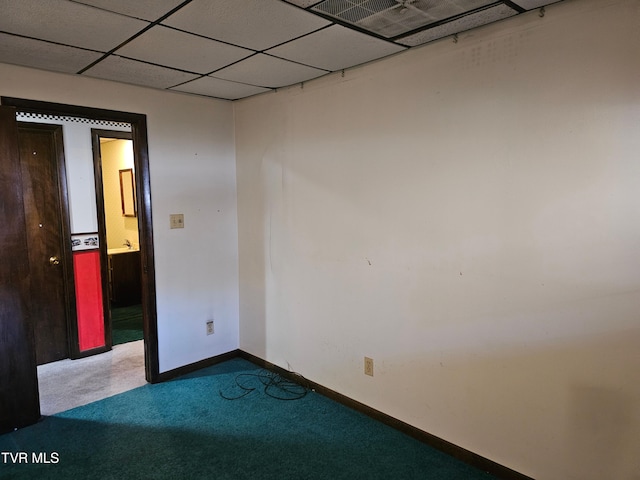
column 70, row 383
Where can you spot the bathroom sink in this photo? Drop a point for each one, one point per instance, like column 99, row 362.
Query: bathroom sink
column 115, row 251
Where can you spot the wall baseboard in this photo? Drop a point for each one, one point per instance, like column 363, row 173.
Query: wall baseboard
column 449, row 448
column 192, row 367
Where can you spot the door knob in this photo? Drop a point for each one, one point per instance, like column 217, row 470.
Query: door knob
column 54, row 260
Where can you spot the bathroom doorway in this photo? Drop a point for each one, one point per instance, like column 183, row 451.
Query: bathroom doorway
column 115, row 175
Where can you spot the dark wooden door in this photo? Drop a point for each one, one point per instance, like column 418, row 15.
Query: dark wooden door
column 40, row 149
column 19, row 402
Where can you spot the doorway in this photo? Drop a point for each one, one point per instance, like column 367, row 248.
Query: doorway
column 115, row 174
column 19, row 401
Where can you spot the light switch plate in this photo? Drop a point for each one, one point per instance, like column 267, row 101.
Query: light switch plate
column 176, row 220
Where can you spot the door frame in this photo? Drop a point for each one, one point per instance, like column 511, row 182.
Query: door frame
column 96, row 135
column 143, row 188
column 19, row 402
column 73, row 349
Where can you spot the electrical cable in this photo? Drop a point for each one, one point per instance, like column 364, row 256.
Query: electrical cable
column 275, row 386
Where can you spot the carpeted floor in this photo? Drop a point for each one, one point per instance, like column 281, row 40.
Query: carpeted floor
column 126, row 324
column 185, row 429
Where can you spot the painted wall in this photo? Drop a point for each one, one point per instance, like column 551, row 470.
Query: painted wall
column 192, row 167
column 117, row 155
column 466, row 214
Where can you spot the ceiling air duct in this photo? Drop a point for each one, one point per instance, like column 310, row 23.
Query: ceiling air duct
column 392, row 18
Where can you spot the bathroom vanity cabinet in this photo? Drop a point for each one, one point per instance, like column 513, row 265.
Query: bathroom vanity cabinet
column 124, row 278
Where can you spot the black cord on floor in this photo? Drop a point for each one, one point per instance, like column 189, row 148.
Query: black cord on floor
column 275, row 386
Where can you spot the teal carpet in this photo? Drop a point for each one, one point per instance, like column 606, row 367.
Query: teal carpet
column 184, row 429
column 126, row 324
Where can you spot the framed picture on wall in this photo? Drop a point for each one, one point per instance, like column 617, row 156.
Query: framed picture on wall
column 127, row 193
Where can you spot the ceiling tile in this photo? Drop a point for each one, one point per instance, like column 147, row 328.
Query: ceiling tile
column 68, row 23
column 44, row 55
column 145, row 9
column 303, row 3
column 467, row 22
column 531, row 4
column 335, row 48
column 265, row 71
column 173, row 48
column 247, row 23
column 215, row 87
column 138, row 73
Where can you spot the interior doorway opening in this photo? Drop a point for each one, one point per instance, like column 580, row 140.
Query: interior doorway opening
column 115, row 175
column 20, row 405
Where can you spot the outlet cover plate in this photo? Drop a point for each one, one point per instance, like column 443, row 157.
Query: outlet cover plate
column 176, row 220
column 368, row 366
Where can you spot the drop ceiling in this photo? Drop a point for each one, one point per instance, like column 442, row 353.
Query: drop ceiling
column 229, row 49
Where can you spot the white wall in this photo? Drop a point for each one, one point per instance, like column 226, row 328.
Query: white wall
column 191, row 156
column 466, row 214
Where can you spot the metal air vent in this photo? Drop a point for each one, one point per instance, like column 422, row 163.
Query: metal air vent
column 390, row 18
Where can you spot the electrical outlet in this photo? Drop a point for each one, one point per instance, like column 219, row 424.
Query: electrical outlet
column 209, row 327
column 176, row 220
column 368, row 366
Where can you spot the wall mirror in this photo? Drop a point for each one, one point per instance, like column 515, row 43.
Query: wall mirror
column 127, row 193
